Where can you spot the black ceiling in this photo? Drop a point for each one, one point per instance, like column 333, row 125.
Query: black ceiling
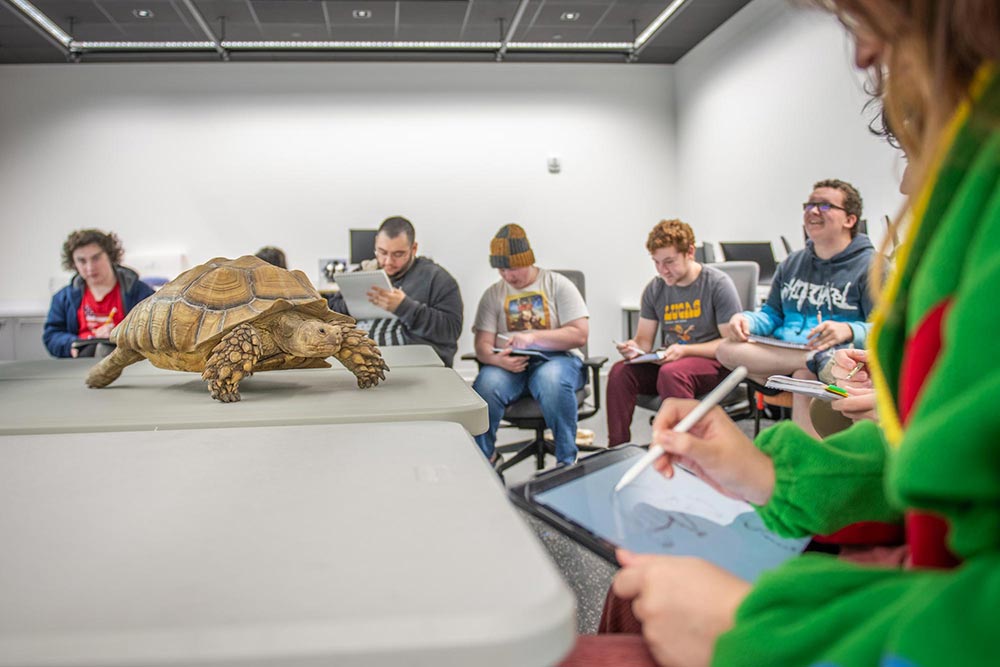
column 449, row 30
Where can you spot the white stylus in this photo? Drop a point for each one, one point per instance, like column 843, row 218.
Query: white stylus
column 692, row 418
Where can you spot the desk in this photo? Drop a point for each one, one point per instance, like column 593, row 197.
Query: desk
column 302, row 545
column 397, row 356
column 148, row 398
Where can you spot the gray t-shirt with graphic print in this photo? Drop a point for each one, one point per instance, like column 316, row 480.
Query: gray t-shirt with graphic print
column 693, row 313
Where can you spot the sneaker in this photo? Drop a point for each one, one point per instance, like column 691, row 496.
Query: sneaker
column 496, row 460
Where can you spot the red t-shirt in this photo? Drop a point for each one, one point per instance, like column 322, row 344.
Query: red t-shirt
column 92, row 313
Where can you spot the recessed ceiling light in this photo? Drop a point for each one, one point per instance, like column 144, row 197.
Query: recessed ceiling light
column 362, row 14
column 142, row 13
column 570, row 16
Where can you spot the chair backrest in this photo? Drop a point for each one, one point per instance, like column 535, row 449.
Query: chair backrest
column 576, row 277
column 788, row 246
column 704, row 253
column 753, row 251
column 744, row 276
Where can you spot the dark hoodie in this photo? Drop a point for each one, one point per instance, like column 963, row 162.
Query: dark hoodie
column 805, row 285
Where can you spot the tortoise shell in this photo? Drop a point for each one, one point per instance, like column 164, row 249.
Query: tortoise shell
column 195, row 310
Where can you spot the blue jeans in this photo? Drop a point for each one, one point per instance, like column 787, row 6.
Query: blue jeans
column 552, row 383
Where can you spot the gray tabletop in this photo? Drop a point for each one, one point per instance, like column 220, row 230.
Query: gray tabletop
column 396, row 356
column 372, row 544
column 149, row 398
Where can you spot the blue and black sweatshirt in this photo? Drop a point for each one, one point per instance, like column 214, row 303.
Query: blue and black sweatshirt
column 805, row 285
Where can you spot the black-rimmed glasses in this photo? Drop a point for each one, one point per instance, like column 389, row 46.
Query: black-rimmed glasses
column 821, row 206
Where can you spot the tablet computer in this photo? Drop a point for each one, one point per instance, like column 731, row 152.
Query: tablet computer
column 354, row 288
column 91, row 347
column 524, row 352
column 682, row 516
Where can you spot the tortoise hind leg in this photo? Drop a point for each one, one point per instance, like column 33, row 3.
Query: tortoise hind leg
column 361, row 356
column 110, row 367
column 232, row 360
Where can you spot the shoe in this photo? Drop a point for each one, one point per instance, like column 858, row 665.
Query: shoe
column 496, row 460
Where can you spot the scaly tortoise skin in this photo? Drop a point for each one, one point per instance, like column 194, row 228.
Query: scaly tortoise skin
column 230, row 318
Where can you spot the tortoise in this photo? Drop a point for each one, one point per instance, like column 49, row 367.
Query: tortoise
column 230, row 318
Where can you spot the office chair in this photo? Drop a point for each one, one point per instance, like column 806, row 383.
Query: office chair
column 788, row 246
column 525, row 413
column 704, row 253
column 739, row 404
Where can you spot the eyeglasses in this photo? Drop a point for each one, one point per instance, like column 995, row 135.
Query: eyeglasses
column 821, row 206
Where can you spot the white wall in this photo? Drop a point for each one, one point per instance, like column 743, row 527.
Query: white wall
column 208, row 160
column 766, row 106
column 212, row 160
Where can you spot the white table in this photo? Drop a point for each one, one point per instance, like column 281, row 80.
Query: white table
column 147, row 398
column 377, row 544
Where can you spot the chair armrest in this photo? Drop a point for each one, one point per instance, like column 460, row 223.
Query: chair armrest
column 469, row 356
column 595, row 362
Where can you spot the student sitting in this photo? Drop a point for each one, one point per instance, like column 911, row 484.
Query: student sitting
column 690, row 304
column 97, row 298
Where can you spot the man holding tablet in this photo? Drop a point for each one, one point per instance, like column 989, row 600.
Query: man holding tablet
column 424, row 298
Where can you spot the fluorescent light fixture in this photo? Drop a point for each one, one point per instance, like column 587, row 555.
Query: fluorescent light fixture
column 340, row 46
column 362, row 14
column 570, row 46
column 139, row 46
column 570, row 16
column 142, row 13
column 43, row 21
column 657, row 22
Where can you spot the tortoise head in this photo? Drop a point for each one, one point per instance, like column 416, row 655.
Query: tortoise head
column 308, row 336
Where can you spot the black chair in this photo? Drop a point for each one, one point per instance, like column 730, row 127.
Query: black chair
column 525, row 413
column 740, row 402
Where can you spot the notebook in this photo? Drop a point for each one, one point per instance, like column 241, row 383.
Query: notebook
column 776, row 342
column 814, row 388
column 649, row 357
column 354, row 288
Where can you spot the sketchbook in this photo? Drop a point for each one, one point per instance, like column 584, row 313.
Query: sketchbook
column 814, row 388
column 523, row 352
column 649, row 357
column 354, row 288
column 777, row 342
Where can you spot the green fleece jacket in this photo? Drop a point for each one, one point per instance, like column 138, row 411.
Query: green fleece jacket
column 936, row 454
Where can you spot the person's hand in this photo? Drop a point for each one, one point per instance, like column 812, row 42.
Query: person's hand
column 386, row 299
column 739, row 328
column 846, row 360
column 73, row 352
column 104, row 331
column 524, row 340
column 672, row 353
column 629, row 349
column 515, row 363
column 860, row 404
column 715, row 450
column 829, row 333
column 683, row 603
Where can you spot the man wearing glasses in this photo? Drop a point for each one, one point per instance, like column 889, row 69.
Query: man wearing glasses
column 424, row 297
column 819, row 297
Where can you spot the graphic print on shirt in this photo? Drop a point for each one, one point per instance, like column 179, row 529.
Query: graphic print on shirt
column 801, row 291
column 675, row 319
column 527, row 311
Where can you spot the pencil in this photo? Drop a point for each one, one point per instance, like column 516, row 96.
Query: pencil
column 111, row 315
column 854, row 371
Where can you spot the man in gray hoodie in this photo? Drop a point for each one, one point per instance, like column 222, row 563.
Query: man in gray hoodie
column 424, row 297
column 819, row 296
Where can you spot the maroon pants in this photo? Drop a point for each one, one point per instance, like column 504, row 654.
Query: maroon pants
column 619, row 641
column 689, row 377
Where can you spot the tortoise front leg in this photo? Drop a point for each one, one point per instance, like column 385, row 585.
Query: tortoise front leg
column 361, row 356
column 232, row 360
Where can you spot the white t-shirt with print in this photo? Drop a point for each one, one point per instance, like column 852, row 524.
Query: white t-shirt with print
column 548, row 303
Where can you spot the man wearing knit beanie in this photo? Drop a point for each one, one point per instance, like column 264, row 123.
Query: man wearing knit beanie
column 528, row 330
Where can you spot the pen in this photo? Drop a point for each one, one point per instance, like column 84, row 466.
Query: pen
column 837, row 391
column 502, row 337
column 854, row 370
column 684, row 425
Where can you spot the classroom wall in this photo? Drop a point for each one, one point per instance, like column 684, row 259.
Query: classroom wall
column 766, row 106
column 199, row 160
column 205, row 160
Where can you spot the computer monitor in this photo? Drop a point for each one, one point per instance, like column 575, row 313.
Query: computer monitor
column 362, row 245
column 755, row 251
